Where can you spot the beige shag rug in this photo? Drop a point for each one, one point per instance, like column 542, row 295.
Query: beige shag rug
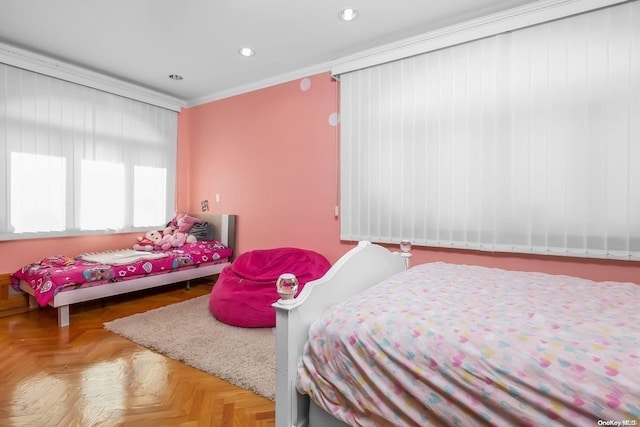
column 186, row 331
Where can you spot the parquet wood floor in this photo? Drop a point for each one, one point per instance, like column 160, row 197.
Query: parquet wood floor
column 83, row 375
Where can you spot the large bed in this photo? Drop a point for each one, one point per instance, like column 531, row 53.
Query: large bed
column 60, row 281
column 374, row 344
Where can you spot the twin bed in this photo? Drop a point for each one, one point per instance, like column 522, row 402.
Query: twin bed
column 375, row 344
column 60, row 281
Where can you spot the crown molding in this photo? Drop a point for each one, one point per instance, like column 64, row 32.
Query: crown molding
column 261, row 84
column 490, row 25
column 41, row 64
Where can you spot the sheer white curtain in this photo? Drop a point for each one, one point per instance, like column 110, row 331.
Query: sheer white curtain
column 527, row 141
column 77, row 160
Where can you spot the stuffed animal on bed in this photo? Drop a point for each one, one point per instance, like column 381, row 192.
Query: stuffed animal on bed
column 172, row 238
column 166, row 239
column 169, row 230
column 148, row 242
column 179, row 239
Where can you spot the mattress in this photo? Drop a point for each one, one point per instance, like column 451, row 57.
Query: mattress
column 61, row 273
column 451, row 344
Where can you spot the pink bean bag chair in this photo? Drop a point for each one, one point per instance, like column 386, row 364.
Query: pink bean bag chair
column 245, row 290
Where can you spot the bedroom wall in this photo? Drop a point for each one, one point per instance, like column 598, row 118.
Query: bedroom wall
column 271, row 156
column 16, row 253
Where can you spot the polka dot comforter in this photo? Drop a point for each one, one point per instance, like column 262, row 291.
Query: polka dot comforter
column 443, row 344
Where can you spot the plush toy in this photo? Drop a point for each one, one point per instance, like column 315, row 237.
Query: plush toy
column 148, row 242
column 165, row 240
column 169, row 229
column 168, row 238
column 179, row 239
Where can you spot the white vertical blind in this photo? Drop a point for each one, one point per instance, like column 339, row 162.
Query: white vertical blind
column 78, row 160
column 527, row 141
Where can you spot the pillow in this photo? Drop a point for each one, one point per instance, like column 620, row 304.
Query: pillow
column 184, row 222
column 202, row 231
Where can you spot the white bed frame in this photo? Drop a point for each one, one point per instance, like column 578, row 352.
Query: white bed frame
column 224, row 231
column 360, row 268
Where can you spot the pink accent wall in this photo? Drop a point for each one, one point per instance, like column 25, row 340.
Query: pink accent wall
column 271, row 155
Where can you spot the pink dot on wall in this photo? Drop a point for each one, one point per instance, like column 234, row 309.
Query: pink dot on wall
column 334, row 119
column 305, row 84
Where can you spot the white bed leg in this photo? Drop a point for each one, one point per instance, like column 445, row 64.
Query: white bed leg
column 187, row 285
column 32, row 302
column 63, row 315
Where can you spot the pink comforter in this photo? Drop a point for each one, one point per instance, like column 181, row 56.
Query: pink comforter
column 56, row 273
column 448, row 344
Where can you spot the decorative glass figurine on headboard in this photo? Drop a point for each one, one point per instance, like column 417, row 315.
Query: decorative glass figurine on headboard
column 405, row 251
column 287, row 286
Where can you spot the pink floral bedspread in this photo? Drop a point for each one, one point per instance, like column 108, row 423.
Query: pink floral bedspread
column 58, row 273
column 464, row 345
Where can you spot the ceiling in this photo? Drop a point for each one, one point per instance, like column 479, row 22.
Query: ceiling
column 144, row 41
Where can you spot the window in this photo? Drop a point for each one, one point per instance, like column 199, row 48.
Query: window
column 524, row 141
column 149, row 199
column 37, row 192
column 79, row 160
column 98, row 210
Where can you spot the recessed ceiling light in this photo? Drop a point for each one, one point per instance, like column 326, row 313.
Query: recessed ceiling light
column 246, row 51
column 349, row 14
column 175, row 76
